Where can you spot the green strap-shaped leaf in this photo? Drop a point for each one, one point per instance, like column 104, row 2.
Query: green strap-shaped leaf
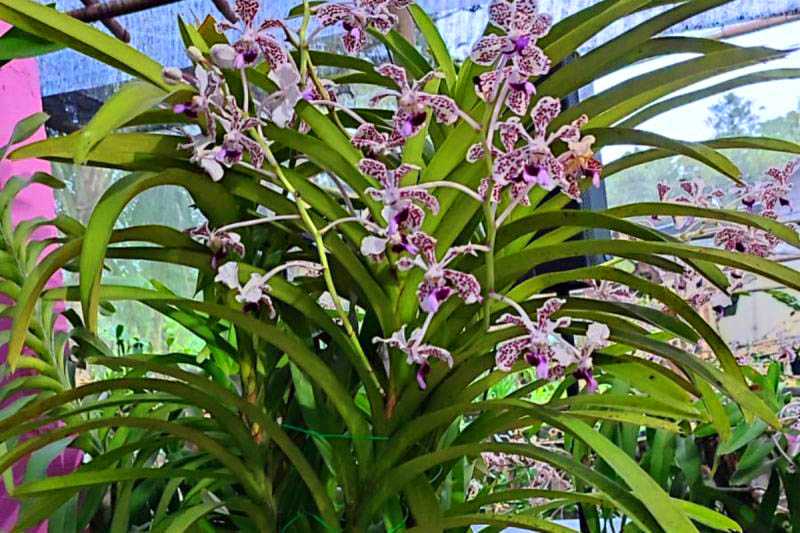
column 102, row 477
column 586, row 69
column 47, row 23
column 782, row 231
column 755, row 143
column 130, row 101
column 499, row 496
column 105, row 215
column 610, row 106
column 518, row 520
column 185, row 519
column 15, row 44
column 618, row 495
column 404, row 53
column 696, row 151
column 717, row 415
column 513, row 266
column 24, row 129
column 707, row 517
column 734, row 388
column 436, row 43
column 650, row 406
column 684, row 99
column 210, row 445
column 670, row 516
column 569, row 34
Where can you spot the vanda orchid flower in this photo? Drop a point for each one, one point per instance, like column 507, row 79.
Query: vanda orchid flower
column 401, row 205
column 208, row 83
column 539, row 344
column 543, row 347
column 213, row 158
column 413, row 102
column 523, row 26
column 511, row 82
column 609, row 291
column 416, row 352
column 520, row 168
column 220, row 242
column 254, row 294
column 746, row 240
column 519, row 88
column 440, row 282
column 279, row 105
column 237, row 142
column 596, row 338
column 254, row 42
column 358, row 16
column 771, row 194
column 374, row 142
column 692, row 192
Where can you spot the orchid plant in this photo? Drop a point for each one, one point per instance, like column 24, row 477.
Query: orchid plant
column 372, row 274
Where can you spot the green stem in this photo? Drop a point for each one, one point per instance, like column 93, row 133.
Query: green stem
column 489, row 217
column 372, row 384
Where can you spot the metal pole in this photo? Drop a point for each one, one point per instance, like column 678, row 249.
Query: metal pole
column 756, row 25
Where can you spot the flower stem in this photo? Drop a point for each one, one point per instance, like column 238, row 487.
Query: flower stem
column 372, row 383
column 255, row 222
column 451, row 185
column 489, row 207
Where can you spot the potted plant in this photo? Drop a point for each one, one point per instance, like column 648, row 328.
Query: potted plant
column 366, row 278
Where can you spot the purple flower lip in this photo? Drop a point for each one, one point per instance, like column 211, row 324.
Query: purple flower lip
column 540, row 362
column 186, row 109
column 422, row 374
column 232, row 154
column 523, row 86
column 412, row 123
column 217, row 259
column 519, row 44
column 308, row 94
column 586, row 375
column 435, row 299
column 534, row 173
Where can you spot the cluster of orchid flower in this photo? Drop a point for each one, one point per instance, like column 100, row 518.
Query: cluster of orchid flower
column 768, row 197
column 517, row 160
column 514, row 471
column 542, row 347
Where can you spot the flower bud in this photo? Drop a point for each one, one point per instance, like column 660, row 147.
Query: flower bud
column 195, row 54
column 223, row 55
column 172, row 75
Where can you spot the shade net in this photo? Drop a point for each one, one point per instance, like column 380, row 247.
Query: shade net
column 461, row 22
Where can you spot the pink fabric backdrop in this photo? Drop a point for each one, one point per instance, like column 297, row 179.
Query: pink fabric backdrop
column 20, row 96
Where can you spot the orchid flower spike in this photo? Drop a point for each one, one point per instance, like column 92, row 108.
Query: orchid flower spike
column 254, row 294
column 220, row 242
column 416, row 352
column 440, row 282
column 413, row 102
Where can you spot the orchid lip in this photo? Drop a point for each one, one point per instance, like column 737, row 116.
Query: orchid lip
column 522, row 86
